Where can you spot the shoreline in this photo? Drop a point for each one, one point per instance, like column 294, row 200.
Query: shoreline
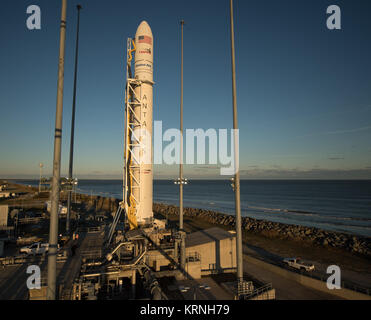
column 264, row 240
column 356, row 244
column 309, row 235
column 333, row 219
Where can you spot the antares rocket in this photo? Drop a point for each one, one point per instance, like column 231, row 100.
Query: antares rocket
column 138, row 174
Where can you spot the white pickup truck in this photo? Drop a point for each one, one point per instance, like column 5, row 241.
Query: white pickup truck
column 35, row 248
column 297, row 263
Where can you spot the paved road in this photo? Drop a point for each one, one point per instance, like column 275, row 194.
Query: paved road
column 285, row 289
column 13, row 283
column 13, row 279
column 214, row 291
column 351, row 279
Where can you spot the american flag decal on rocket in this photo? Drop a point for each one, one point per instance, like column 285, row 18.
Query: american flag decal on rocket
column 145, row 39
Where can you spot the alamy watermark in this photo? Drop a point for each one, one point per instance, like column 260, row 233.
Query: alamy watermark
column 333, row 281
column 334, row 20
column 211, row 146
column 34, row 280
column 33, row 22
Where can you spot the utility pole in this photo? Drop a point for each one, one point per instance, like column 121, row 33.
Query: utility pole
column 236, row 159
column 181, row 182
column 53, row 231
column 73, row 124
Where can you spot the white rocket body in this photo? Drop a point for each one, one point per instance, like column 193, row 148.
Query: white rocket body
column 143, row 173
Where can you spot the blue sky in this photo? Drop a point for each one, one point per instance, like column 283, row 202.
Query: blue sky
column 304, row 92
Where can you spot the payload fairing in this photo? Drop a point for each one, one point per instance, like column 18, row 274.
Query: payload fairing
column 138, row 174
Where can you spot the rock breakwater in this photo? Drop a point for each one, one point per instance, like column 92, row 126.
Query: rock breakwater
column 352, row 243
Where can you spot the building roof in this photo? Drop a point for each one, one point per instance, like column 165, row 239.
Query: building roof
column 207, row 235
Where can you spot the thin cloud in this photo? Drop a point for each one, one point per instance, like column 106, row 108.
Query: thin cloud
column 315, row 173
column 276, row 166
column 349, row 130
column 337, row 132
column 206, row 167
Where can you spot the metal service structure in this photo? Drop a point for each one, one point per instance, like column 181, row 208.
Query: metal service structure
column 138, row 174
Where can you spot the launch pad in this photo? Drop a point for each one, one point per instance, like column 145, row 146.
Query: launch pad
column 144, row 264
column 137, row 249
column 139, row 244
column 138, row 256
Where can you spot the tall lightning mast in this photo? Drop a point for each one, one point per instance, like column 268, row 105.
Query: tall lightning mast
column 53, row 232
column 236, row 158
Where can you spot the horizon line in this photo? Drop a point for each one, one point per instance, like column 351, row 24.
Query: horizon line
column 218, row 179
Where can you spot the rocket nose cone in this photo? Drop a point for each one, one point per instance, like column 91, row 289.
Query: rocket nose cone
column 144, row 29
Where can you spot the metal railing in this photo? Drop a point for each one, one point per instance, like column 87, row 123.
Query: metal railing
column 30, row 220
column 259, row 291
column 21, row 259
column 94, row 229
column 91, row 254
column 193, row 257
column 245, row 287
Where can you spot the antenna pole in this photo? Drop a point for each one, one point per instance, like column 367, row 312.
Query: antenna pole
column 182, row 233
column 73, row 123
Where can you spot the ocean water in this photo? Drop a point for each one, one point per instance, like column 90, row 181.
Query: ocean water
column 338, row 205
